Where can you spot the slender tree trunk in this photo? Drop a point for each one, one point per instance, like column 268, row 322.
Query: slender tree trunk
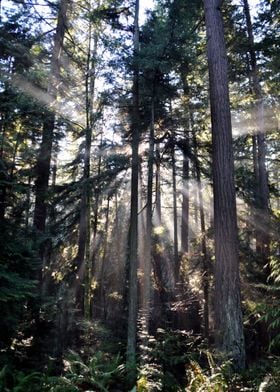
column 158, row 187
column 13, row 163
column 28, row 199
column 83, row 257
column 196, row 202
column 133, row 242
column 94, row 249
column 3, row 135
column 185, row 203
column 186, row 174
column 97, row 196
column 259, row 149
column 3, row 190
column 5, row 176
column 205, row 269
column 102, row 292
column 228, row 316
column 148, row 234
column 175, row 215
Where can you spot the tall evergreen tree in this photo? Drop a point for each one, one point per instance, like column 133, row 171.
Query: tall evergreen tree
column 133, row 240
column 227, row 301
column 45, row 151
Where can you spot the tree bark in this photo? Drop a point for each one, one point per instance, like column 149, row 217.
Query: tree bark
column 186, row 174
column 83, row 256
column 44, row 157
column 133, row 241
column 175, row 215
column 185, row 203
column 259, row 149
column 205, row 261
column 228, row 316
column 148, row 235
column 158, row 187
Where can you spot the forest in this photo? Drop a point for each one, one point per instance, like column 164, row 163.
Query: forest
column 139, row 195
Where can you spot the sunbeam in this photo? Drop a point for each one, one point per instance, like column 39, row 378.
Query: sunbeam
column 249, row 123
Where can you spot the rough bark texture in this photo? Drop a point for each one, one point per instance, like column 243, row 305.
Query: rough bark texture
column 228, row 316
column 44, row 157
column 43, row 165
column 133, row 243
column 43, row 173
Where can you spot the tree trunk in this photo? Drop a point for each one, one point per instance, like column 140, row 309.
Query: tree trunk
column 48, row 246
column 261, row 177
column 44, row 157
column 42, row 169
column 205, row 259
column 186, row 173
column 133, row 241
column 101, row 289
column 158, row 188
column 83, row 257
column 185, row 204
column 148, row 236
column 175, row 215
column 228, row 316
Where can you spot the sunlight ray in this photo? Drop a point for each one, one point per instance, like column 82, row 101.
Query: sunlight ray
column 44, row 98
column 246, row 123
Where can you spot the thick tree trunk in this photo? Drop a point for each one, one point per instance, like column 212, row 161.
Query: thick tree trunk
column 44, row 157
column 228, row 316
column 133, row 241
column 48, row 245
column 43, row 173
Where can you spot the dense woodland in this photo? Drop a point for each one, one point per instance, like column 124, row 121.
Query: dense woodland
column 139, row 196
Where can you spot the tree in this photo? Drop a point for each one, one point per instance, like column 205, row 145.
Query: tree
column 45, row 152
column 133, row 235
column 261, row 177
column 227, row 302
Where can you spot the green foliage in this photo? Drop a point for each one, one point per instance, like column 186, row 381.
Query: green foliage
column 262, row 375
column 17, row 282
column 270, row 310
column 200, row 381
column 150, row 378
column 99, row 373
column 170, row 352
column 17, row 381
